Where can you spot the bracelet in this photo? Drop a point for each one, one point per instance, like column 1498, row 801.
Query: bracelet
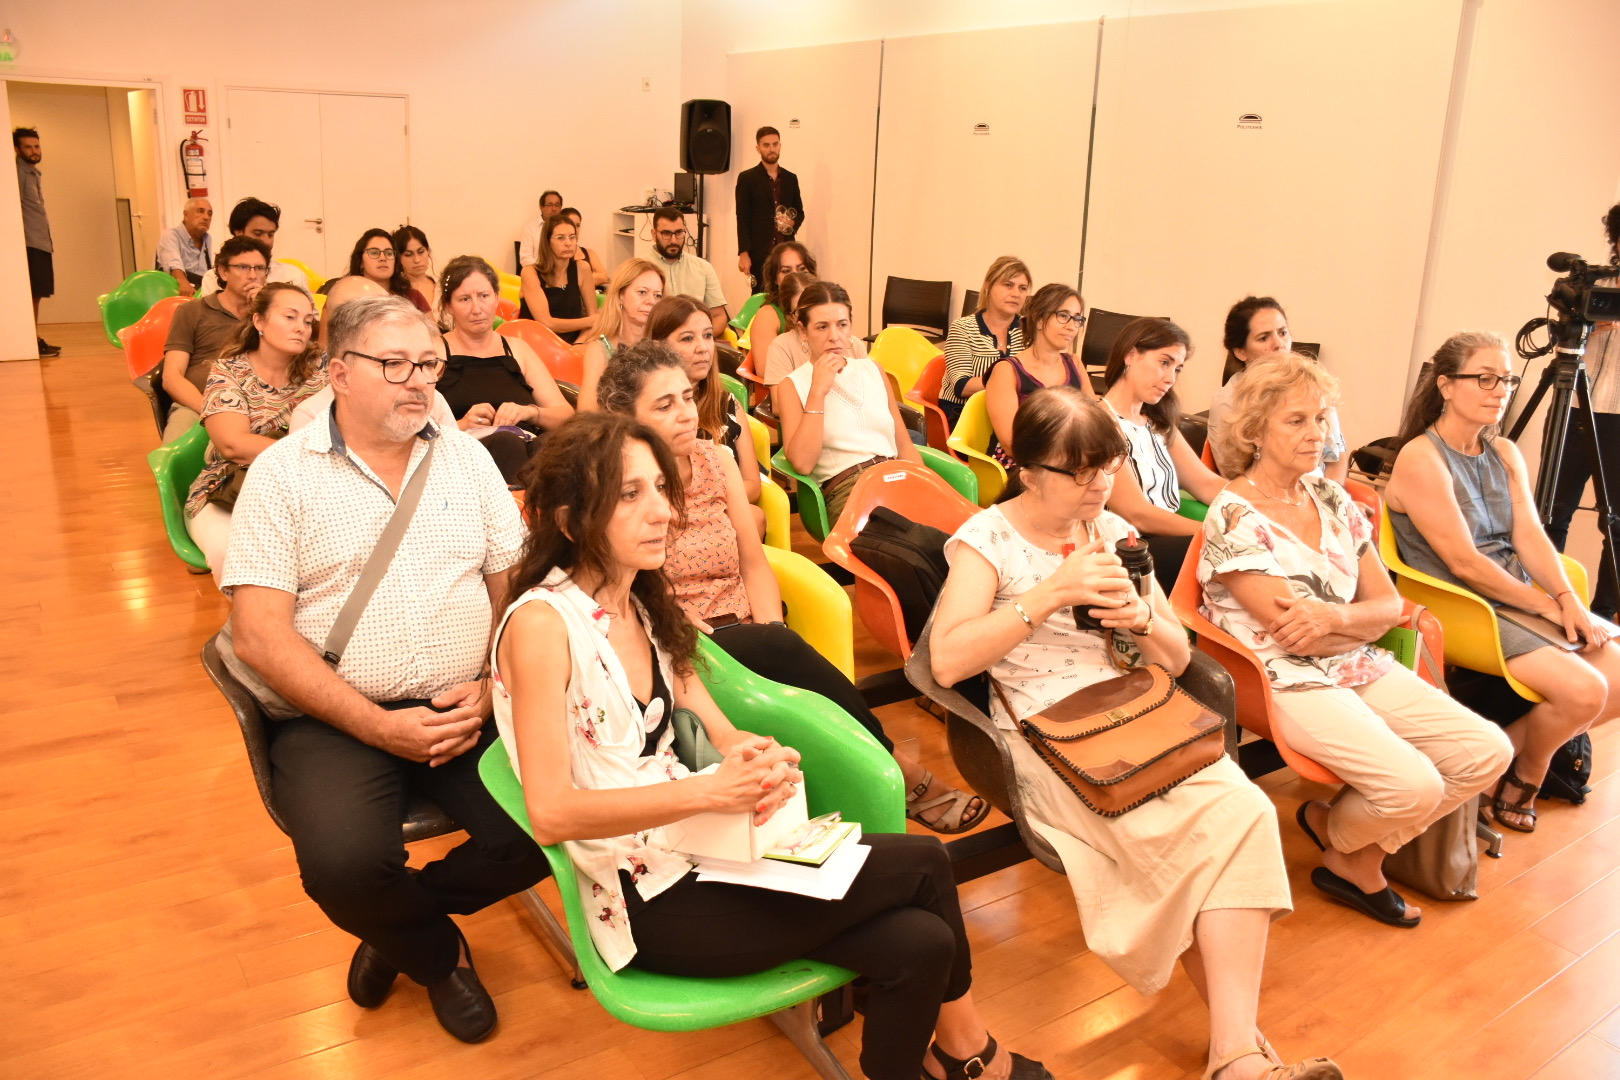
column 1022, row 614
column 814, row 412
column 1556, row 595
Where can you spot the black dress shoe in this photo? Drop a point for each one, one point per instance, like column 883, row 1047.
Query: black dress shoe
column 47, row 349
column 461, row 1003
column 370, row 977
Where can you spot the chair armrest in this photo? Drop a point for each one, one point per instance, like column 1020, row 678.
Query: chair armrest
column 778, row 514
column 818, row 608
column 812, row 507
column 1209, row 682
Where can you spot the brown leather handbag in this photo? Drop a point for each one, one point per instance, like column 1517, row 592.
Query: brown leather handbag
column 1124, row 741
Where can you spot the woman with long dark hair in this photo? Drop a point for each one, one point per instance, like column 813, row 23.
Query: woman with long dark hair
column 1143, row 366
column 554, row 293
column 1052, row 319
column 589, row 664
column 375, row 260
column 414, row 257
column 788, row 257
column 1462, row 509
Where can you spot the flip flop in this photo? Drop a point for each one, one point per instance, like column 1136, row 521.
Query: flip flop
column 1386, row 906
column 1305, row 826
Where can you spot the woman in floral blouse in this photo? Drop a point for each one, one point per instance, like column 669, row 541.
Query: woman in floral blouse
column 273, row 363
column 1289, row 569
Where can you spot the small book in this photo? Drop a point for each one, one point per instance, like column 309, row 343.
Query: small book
column 1543, row 628
column 829, row 881
column 813, row 842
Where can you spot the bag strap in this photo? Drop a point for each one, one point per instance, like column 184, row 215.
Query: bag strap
column 371, row 575
column 1429, row 668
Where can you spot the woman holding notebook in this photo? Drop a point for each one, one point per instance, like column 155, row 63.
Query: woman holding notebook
column 592, row 659
column 1460, row 502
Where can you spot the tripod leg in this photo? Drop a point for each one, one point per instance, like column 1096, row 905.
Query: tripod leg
column 1600, row 482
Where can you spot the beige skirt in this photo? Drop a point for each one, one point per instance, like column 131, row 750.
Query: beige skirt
column 1140, row 879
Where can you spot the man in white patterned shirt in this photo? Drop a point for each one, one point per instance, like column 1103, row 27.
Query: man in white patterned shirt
column 405, row 709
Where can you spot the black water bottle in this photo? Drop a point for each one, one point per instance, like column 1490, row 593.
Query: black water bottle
column 1138, row 561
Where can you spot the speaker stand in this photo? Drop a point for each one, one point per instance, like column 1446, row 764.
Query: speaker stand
column 702, row 231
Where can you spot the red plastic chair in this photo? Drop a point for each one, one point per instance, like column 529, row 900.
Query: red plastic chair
column 565, row 362
column 1366, row 496
column 757, row 390
column 926, row 394
column 144, row 340
column 915, row 492
column 506, row 309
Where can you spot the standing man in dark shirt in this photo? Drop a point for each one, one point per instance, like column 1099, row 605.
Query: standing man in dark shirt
column 769, row 207
column 36, row 227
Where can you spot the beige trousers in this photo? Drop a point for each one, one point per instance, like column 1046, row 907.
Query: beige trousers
column 211, row 531
column 179, row 422
column 1408, row 755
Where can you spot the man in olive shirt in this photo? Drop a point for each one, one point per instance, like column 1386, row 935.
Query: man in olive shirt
column 202, row 328
column 36, row 226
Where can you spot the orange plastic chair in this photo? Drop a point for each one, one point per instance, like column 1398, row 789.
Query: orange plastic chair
column 1366, row 496
column 915, row 492
column 506, row 309
column 143, row 340
column 757, row 390
column 1249, row 676
column 926, row 395
column 1207, row 456
column 564, row 361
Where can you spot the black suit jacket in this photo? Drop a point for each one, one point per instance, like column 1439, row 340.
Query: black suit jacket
column 756, row 212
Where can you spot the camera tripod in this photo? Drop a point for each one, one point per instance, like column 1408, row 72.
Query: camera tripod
column 1565, row 375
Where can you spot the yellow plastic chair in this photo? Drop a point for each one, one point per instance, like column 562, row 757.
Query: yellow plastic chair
column 971, row 441
column 903, row 353
column 818, row 608
column 315, row 280
column 772, row 499
column 1472, row 638
column 511, row 287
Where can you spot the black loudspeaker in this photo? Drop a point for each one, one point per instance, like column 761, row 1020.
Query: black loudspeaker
column 705, row 136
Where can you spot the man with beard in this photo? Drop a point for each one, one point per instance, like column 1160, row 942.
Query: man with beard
column 684, row 272
column 404, row 708
column 769, row 207
column 36, row 226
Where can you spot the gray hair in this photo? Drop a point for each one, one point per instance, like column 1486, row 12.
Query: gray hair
column 349, row 323
column 189, row 203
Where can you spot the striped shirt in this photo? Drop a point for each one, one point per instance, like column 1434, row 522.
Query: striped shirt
column 970, row 350
column 1150, row 461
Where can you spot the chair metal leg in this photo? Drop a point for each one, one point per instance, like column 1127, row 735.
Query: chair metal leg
column 555, row 935
column 1492, row 838
column 799, row 1025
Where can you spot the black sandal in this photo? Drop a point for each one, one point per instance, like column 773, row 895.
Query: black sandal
column 1500, row 806
column 1305, row 826
column 1386, row 906
column 1023, row 1068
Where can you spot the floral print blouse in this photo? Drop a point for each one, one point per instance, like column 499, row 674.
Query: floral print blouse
column 607, row 732
column 1237, row 537
column 233, row 386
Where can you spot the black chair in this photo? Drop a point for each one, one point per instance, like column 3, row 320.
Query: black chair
column 423, row 819
column 151, row 385
column 925, row 305
column 1195, row 429
column 1312, row 349
column 979, row 748
column 970, row 302
column 517, row 256
column 1102, row 330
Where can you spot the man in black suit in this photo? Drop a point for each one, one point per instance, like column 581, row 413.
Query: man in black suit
column 769, row 207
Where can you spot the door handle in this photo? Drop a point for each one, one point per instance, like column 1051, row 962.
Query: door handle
column 317, row 222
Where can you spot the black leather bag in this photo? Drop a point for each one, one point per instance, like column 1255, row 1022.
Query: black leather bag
column 1570, row 771
column 910, row 557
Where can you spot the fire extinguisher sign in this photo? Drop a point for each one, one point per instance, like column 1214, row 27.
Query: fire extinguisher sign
column 196, row 106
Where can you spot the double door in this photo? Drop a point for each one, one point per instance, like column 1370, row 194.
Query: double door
column 336, row 164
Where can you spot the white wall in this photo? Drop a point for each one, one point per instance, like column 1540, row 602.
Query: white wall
column 77, row 179
column 16, row 306
column 507, row 97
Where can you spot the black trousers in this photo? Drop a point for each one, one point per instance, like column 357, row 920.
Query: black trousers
column 1573, row 473
column 512, row 453
column 900, row 926
column 344, row 802
column 782, row 656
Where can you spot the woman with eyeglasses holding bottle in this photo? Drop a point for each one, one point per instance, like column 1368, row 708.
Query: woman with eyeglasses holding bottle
column 1052, row 319
column 374, row 259
column 1461, row 506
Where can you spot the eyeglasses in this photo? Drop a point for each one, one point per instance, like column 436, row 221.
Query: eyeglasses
column 400, row 371
column 378, row 253
column 1488, row 380
column 247, row 268
column 679, row 234
column 1084, row 477
column 1066, row 317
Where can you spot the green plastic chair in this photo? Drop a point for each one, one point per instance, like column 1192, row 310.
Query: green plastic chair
column 845, row 769
column 736, row 389
column 740, row 321
column 133, row 297
column 813, row 506
column 1191, row 507
column 174, row 466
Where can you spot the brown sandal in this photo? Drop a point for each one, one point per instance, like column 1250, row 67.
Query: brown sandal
column 1500, row 806
column 1318, row 1068
column 953, row 818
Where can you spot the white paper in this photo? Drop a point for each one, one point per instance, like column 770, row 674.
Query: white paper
column 734, row 836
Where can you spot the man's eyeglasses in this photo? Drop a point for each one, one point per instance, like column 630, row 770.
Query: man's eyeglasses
column 1083, row 477
column 671, row 237
column 378, row 253
column 247, row 268
column 1066, row 317
column 1488, row 380
column 400, row 371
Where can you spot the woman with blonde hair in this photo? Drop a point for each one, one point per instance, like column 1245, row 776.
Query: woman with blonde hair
column 637, row 285
column 994, row 332
column 1290, row 570
column 1462, row 510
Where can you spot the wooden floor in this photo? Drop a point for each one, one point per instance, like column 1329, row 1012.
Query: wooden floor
column 152, row 924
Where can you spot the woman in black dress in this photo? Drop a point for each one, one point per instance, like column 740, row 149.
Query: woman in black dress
column 553, row 294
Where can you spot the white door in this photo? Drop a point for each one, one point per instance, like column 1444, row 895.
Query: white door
column 336, row 164
column 364, row 169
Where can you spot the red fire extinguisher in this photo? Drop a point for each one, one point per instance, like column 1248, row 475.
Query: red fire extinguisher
column 191, row 164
